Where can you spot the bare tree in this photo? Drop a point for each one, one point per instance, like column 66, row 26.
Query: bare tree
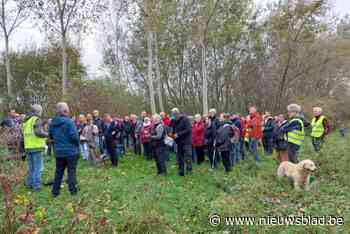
column 60, row 17
column 12, row 14
column 156, row 57
column 204, row 21
column 159, row 80
column 149, row 31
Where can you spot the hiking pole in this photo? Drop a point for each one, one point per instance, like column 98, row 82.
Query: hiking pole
column 213, row 164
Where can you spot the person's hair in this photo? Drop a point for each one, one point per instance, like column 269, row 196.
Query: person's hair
column 62, row 108
column 294, row 108
column 212, row 110
column 226, row 116
column 89, row 117
column 147, row 118
column 157, row 118
column 253, row 106
column 197, row 116
column 37, row 109
column 175, row 110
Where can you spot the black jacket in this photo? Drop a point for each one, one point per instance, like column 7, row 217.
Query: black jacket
column 223, row 137
column 99, row 123
column 211, row 131
column 182, row 127
column 112, row 133
column 127, row 127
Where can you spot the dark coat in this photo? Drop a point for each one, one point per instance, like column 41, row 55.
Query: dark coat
column 211, row 131
column 99, row 123
column 223, row 137
column 64, row 134
column 182, row 127
column 269, row 127
column 127, row 127
column 112, row 133
column 157, row 136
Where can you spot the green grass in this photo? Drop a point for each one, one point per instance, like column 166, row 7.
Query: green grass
column 132, row 199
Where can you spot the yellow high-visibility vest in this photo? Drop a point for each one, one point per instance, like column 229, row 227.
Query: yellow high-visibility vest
column 31, row 141
column 296, row 136
column 317, row 126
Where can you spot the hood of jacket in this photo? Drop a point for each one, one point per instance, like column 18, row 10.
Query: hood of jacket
column 59, row 121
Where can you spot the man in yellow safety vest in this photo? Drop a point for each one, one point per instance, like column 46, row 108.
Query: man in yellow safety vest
column 294, row 132
column 34, row 145
column 320, row 128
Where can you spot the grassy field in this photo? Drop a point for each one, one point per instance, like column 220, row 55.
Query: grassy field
column 132, row 199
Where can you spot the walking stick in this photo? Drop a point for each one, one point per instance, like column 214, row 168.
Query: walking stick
column 213, row 164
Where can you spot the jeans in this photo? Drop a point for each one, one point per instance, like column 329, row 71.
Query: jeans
column 35, row 168
column 61, row 164
column 184, row 156
column 235, row 153
column 137, row 145
column 85, row 150
column 127, row 140
column 194, row 154
column 317, row 142
column 267, row 143
column 253, row 147
column 120, row 149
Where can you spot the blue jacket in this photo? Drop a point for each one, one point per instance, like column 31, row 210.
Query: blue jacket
column 65, row 136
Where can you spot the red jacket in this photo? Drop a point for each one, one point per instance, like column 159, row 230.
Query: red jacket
column 255, row 126
column 166, row 121
column 198, row 134
column 146, row 134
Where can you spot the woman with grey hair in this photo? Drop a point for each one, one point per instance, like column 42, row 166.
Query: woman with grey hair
column 158, row 134
column 65, row 137
column 294, row 132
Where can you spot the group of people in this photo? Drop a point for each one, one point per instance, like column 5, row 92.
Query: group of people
column 221, row 137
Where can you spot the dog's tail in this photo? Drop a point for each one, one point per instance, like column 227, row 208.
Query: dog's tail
column 280, row 171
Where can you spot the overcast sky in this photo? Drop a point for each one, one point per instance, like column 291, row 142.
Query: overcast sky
column 92, row 56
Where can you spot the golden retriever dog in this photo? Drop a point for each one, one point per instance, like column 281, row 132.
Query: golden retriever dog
column 299, row 173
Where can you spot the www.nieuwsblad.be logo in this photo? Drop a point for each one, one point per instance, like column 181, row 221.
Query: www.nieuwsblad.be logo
column 216, row 220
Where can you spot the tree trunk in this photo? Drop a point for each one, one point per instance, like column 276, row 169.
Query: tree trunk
column 8, row 71
column 64, row 68
column 205, row 78
column 150, row 71
column 159, row 80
